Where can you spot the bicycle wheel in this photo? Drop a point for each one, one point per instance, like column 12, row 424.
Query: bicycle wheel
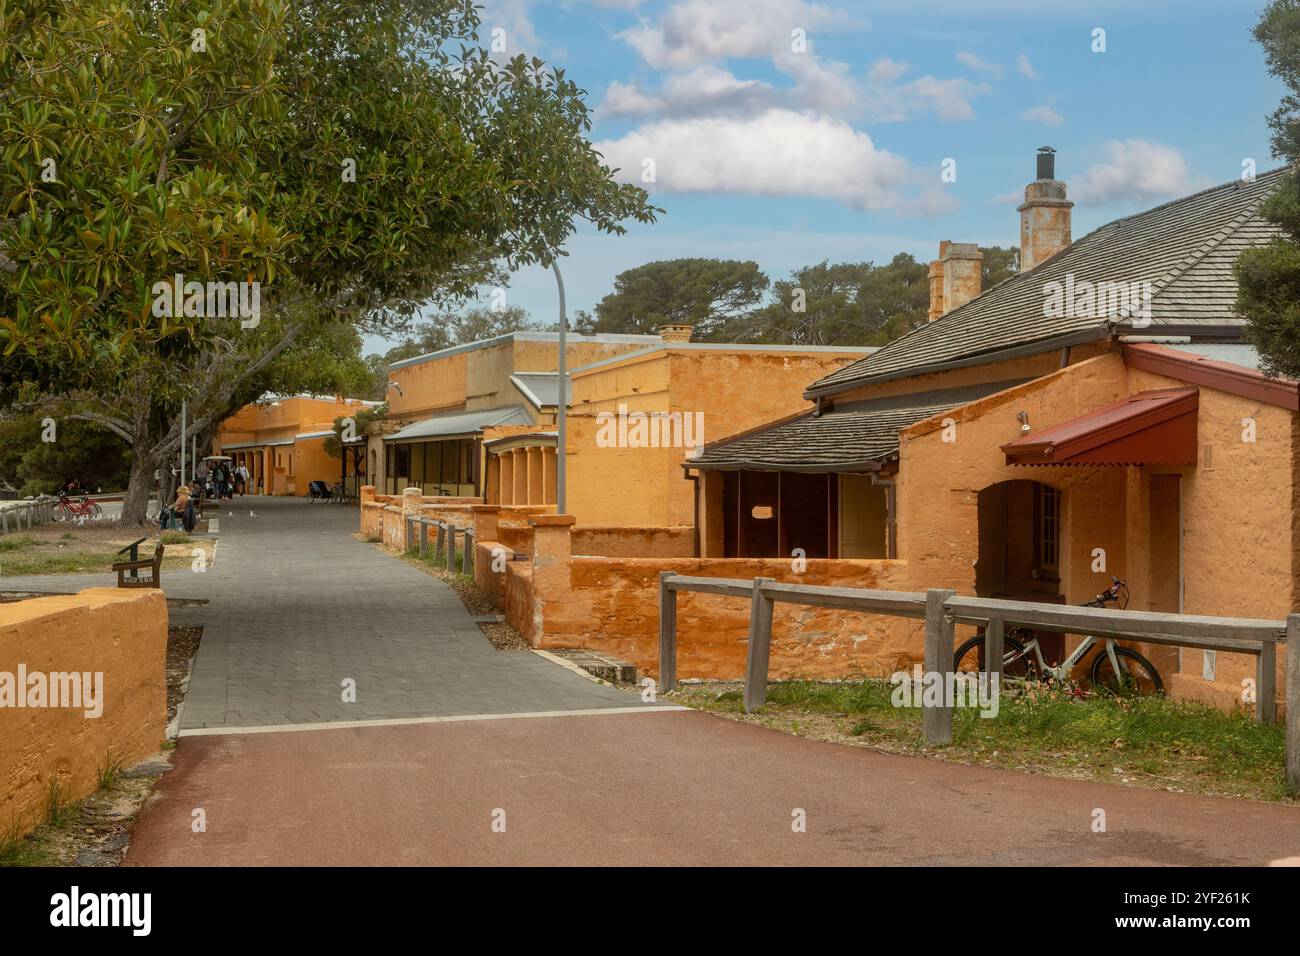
column 95, row 510
column 1137, row 674
column 62, row 512
column 1016, row 664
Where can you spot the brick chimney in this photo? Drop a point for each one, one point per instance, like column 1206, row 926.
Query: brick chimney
column 1045, row 215
column 955, row 276
column 675, row 332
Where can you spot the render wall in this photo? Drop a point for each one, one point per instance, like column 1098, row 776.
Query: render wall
column 121, row 633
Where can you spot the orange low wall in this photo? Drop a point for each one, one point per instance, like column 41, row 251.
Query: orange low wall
column 612, row 605
column 677, row 542
column 119, row 633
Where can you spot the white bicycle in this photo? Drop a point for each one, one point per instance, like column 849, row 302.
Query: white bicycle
column 1116, row 670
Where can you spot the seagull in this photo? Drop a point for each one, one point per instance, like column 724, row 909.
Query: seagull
column 251, row 515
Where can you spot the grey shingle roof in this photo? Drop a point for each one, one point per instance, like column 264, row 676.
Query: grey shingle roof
column 854, row 436
column 1185, row 249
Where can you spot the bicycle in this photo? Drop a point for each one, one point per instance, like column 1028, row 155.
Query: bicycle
column 1115, row 670
column 67, row 509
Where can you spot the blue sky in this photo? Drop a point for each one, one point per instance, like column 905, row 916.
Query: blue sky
column 833, row 151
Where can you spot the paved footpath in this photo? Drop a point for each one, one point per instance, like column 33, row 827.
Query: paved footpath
column 450, row 740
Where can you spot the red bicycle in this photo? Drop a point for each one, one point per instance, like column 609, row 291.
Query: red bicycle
column 69, row 510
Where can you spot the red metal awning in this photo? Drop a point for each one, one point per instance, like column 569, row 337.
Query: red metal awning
column 1149, row 428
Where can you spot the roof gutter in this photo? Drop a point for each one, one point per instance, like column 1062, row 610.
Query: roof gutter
column 1080, row 337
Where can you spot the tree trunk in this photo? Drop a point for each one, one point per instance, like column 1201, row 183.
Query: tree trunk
column 135, row 504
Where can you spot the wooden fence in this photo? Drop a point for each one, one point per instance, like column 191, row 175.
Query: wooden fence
column 15, row 514
column 444, row 546
column 942, row 609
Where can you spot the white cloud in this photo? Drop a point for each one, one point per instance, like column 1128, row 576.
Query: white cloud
column 692, row 32
column 706, row 89
column 1025, row 67
column 1135, row 170
column 777, row 153
column 886, row 70
column 978, row 64
column 949, row 99
column 1043, row 114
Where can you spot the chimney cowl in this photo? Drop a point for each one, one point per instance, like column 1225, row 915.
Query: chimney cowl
column 1046, row 163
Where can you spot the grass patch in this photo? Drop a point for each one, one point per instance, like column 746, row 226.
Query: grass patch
column 1154, row 742
column 57, row 807
column 53, row 550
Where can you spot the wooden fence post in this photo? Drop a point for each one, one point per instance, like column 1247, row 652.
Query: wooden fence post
column 440, row 543
column 451, row 548
column 667, row 634
column 994, row 648
column 1266, row 683
column 424, row 535
column 936, row 722
column 470, row 542
column 1293, row 702
column 760, row 644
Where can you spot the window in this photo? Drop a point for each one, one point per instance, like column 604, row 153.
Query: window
column 1048, row 544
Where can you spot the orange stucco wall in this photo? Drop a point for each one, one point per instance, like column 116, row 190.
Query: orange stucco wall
column 121, row 633
column 733, row 390
column 286, row 469
column 612, row 603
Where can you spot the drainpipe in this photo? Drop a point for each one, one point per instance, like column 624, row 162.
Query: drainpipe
column 891, row 519
column 562, row 412
column 695, row 480
column 1065, row 356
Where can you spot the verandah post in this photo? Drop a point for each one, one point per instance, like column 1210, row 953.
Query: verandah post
column 936, row 721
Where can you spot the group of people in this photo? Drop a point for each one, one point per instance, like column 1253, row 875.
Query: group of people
column 224, row 480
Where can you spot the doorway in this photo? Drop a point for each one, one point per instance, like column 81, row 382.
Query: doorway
column 1020, row 549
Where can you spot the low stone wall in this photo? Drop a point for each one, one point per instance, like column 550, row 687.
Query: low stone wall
column 558, row 600
column 612, row 605
column 121, row 634
column 668, row 542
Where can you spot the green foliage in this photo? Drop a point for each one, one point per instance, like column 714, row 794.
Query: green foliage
column 96, row 458
column 1268, row 278
column 845, row 303
column 235, row 162
column 333, row 444
column 705, row 293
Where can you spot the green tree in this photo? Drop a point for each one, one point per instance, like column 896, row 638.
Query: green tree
column 36, row 457
column 704, row 293
column 360, row 158
column 999, row 264
column 1268, row 277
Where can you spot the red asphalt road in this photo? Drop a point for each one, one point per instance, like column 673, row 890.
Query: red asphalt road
column 670, row 788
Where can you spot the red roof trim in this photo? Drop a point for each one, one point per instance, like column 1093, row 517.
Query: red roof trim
column 1150, row 428
column 1224, row 376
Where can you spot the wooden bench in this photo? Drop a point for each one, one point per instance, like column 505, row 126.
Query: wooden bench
column 154, row 564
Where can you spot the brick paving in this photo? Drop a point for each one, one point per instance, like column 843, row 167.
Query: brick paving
column 297, row 606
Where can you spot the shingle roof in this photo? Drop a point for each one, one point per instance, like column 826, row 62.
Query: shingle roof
column 854, row 436
column 1185, row 249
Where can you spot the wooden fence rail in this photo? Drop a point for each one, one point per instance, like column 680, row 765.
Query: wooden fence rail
column 444, row 545
column 942, row 609
column 17, row 514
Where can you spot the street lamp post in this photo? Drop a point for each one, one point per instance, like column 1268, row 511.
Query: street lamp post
column 562, row 403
